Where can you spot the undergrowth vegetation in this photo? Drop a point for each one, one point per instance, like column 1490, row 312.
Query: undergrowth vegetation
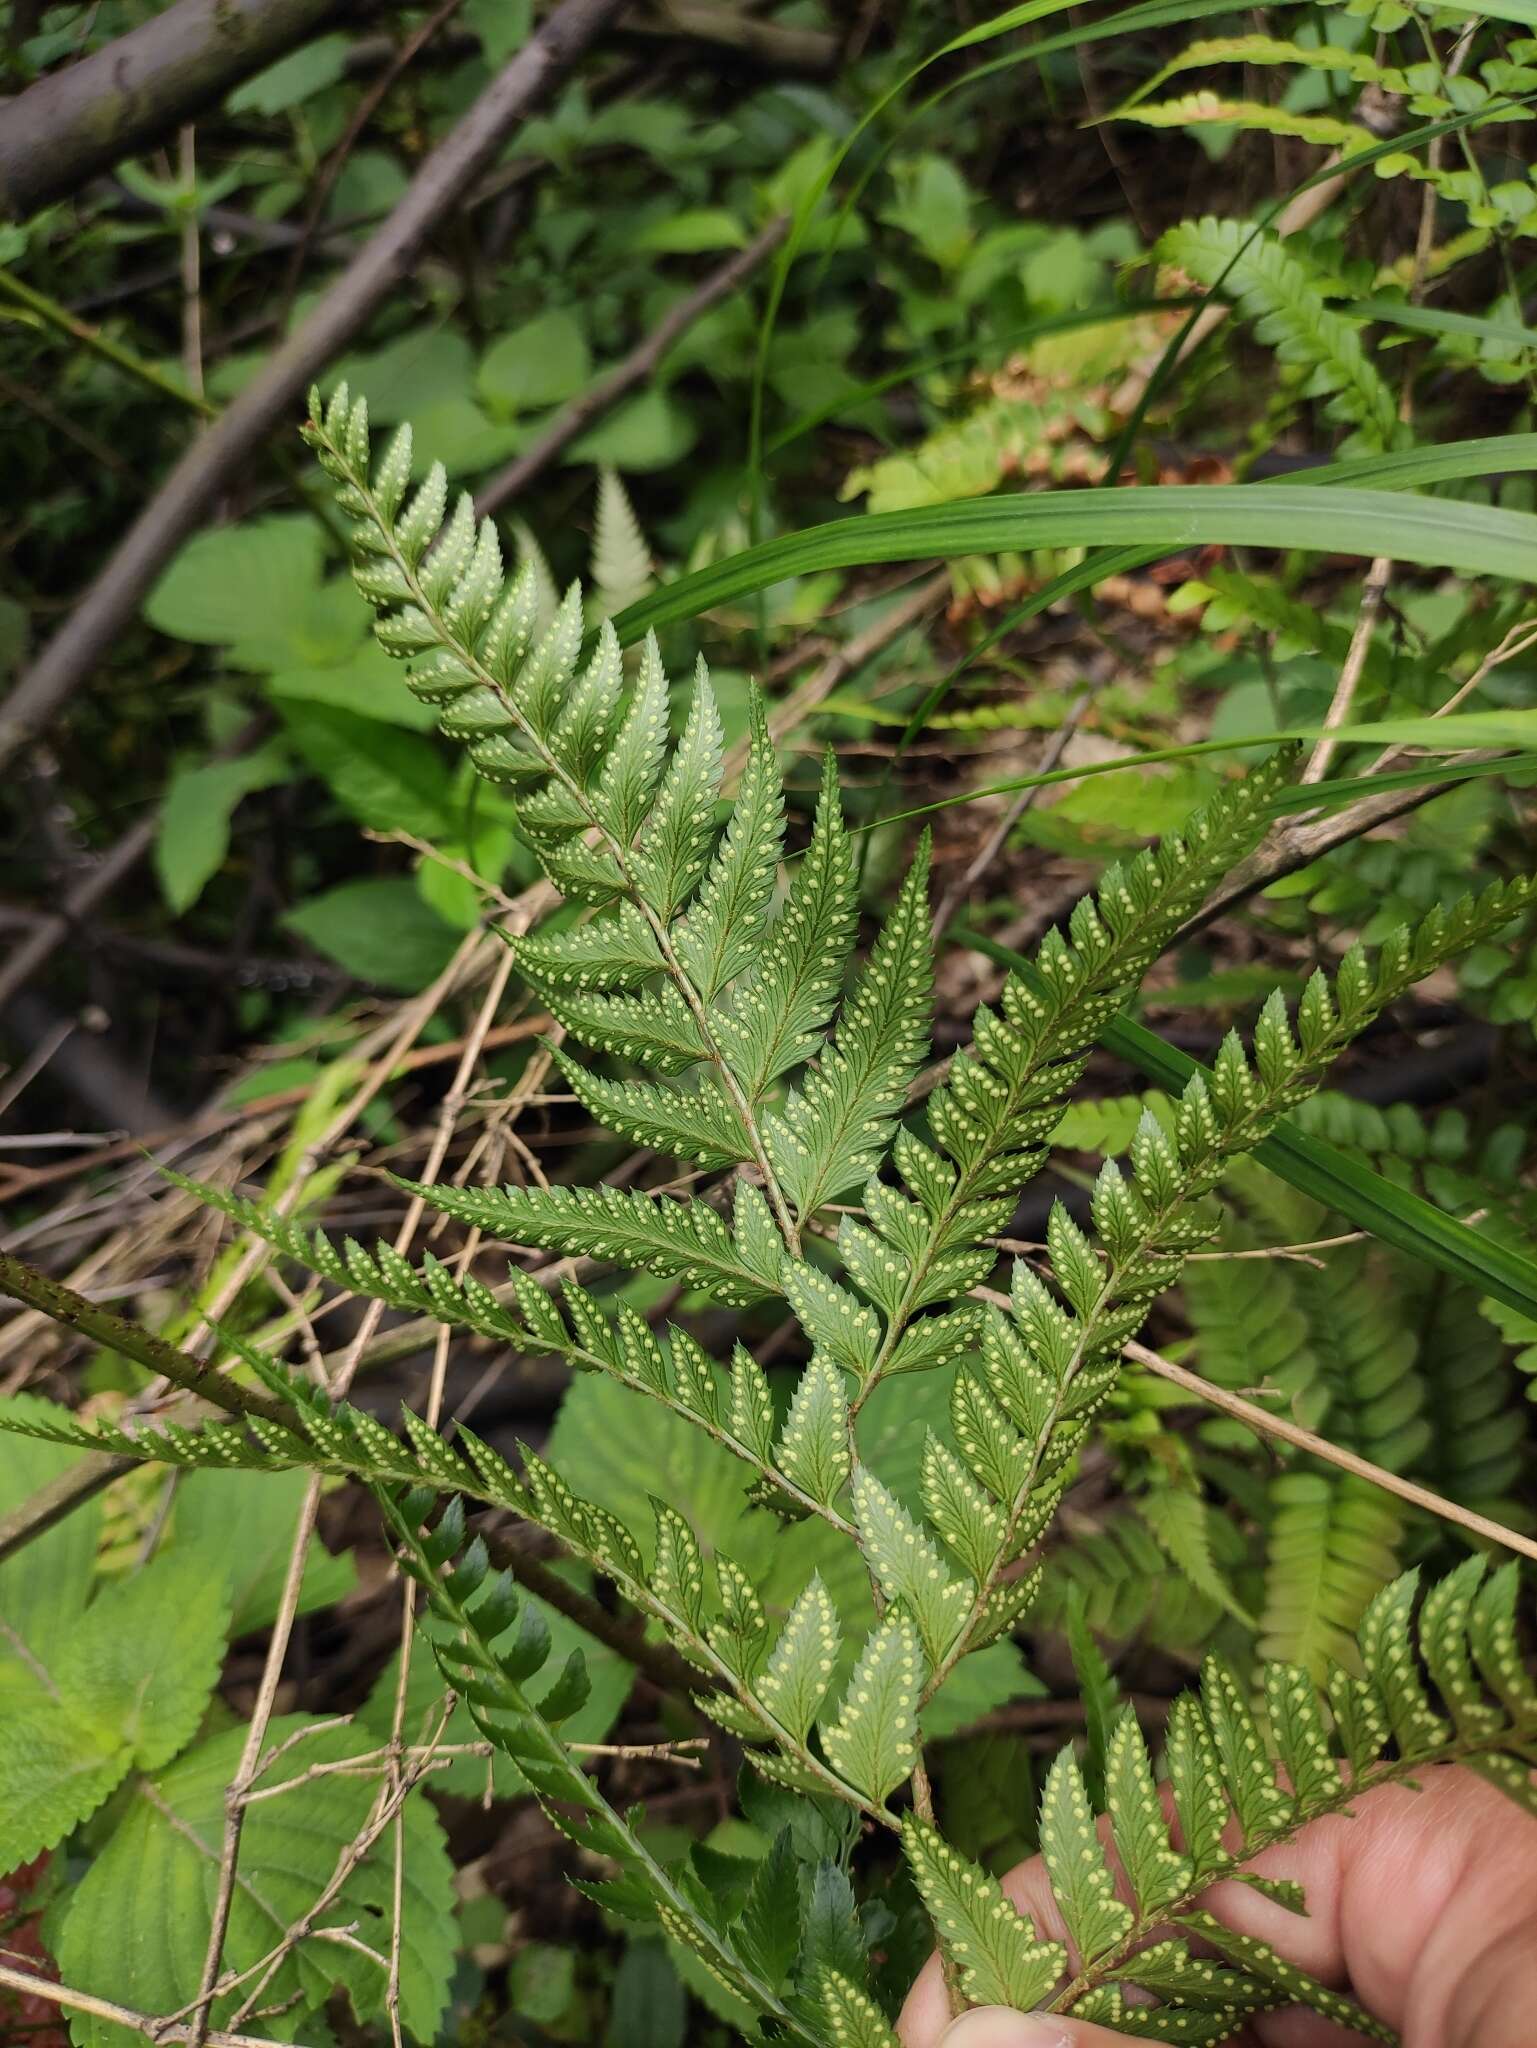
column 876, row 1206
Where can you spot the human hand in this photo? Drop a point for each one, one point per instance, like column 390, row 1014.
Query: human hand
column 1423, row 1905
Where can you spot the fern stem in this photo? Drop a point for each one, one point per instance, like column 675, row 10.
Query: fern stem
column 62, row 1305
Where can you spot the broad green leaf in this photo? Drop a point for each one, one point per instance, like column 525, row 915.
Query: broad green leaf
column 538, row 364
column 44, row 1586
column 137, row 1924
column 647, row 433
column 387, row 778
column 242, row 1523
column 236, row 587
column 192, row 836
column 141, row 1663
column 292, row 79
column 379, row 930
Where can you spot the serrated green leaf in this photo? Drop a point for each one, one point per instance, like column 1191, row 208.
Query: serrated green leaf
column 676, row 1240
column 1000, row 1957
column 1094, row 1917
column 137, row 1923
column 845, row 1328
column 781, row 1006
column 966, row 1517
column 676, row 839
column 1247, row 1770
column 1156, row 1872
column 723, row 931
column 852, row 2019
column 813, row 1447
column 797, row 1675
column 835, row 1127
column 872, row 1745
column 909, row 1566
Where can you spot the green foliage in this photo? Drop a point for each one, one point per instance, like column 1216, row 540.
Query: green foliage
column 823, row 1444
column 1282, row 296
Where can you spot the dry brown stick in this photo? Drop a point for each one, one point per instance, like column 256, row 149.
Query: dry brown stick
column 24, row 1180
column 1267, row 1424
column 381, row 266
column 631, row 370
column 26, row 1985
column 83, row 118
column 331, row 169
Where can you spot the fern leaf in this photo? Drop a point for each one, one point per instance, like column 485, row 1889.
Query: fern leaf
column 837, row 1125
column 609, row 954
column 779, row 1009
column 798, row 1673
column 696, row 1123
column 621, row 560
column 1000, row 1957
column 1274, row 288
column 724, row 929
column 676, row 839
column 1085, row 1891
column 633, row 766
column 873, row 1744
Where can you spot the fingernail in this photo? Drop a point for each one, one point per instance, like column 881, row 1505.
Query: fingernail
column 995, row 2026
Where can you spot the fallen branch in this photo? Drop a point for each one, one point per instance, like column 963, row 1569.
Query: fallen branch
column 380, row 267
column 86, row 117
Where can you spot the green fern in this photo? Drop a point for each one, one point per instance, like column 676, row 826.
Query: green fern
column 722, row 1025
column 1278, row 292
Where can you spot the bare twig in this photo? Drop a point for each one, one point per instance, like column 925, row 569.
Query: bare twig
column 331, row 169
column 27, row 1985
column 1268, row 1424
column 83, row 118
column 383, row 263
column 1373, row 591
column 632, row 370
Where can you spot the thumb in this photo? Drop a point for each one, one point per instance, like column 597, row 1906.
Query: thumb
column 995, row 2026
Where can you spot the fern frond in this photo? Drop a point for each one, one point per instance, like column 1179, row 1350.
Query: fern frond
column 1275, row 290
column 1204, row 107
column 1445, row 1686
column 675, row 1240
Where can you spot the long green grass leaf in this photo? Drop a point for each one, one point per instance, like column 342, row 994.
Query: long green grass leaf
column 1477, row 539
